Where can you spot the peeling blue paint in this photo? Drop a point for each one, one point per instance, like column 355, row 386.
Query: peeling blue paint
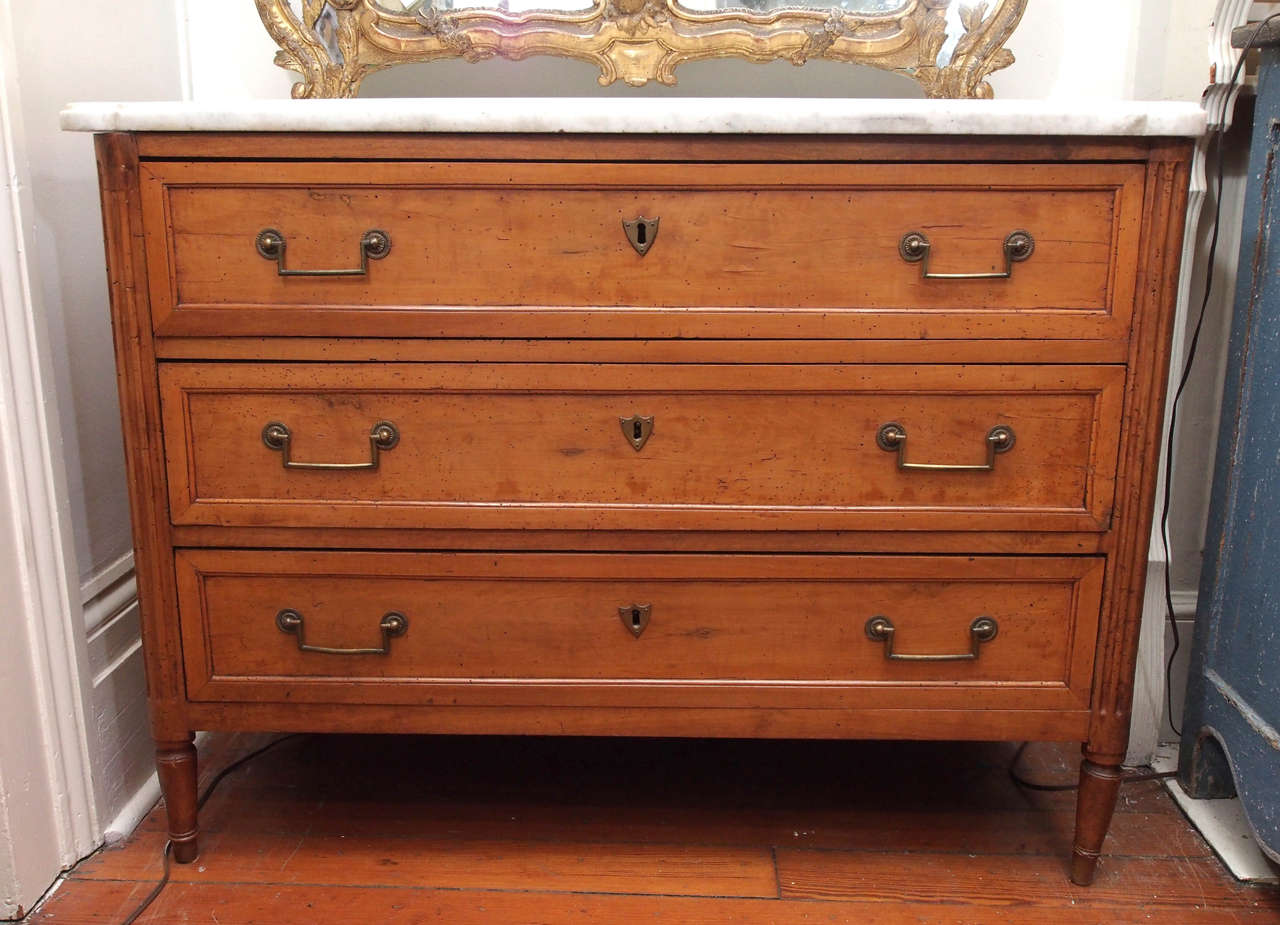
column 1230, row 740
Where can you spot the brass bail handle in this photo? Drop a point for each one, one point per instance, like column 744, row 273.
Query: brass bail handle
column 916, row 248
column 983, row 629
column 392, row 625
column 892, row 438
column 383, row 436
column 374, row 245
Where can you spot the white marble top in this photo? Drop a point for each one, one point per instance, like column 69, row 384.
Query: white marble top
column 648, row 115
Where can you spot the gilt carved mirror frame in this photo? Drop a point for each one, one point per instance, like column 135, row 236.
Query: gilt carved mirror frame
column 335, row 44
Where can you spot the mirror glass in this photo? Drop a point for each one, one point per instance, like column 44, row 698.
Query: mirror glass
column 866, row 7
column 852, row 6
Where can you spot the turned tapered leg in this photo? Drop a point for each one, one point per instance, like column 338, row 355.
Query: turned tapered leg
column 176, row 767
column 1099, row 788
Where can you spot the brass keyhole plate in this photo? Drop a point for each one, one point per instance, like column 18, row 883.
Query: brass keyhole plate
column 637, row 429
column 641, row 233
column 635, row 617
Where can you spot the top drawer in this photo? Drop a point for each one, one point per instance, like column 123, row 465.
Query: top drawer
column 530, row 250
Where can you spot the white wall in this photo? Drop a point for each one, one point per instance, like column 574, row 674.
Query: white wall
column 102, row 51
column 45, row 813
column 99, row 53
column 120, row 57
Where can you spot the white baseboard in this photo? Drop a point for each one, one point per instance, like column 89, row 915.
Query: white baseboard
column 134, row 811
column 1223, row 824
column 123, row 757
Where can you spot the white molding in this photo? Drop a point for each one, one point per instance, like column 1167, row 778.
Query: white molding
column 108, row 593
column 1184, row 605
column 1149, row 690
column 100, row 609
column 34, row 493
column 108, row 575
column 133, row 812
column 115, row 657
column 182, row 24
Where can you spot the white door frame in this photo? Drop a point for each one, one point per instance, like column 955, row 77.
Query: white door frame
column 48, row 819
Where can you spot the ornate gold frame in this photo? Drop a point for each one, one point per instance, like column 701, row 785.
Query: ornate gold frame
column 336, row 43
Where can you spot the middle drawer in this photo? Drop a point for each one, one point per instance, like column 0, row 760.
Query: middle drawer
column 570, row 447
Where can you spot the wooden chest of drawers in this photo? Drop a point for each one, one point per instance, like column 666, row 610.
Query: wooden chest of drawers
column 643, row 435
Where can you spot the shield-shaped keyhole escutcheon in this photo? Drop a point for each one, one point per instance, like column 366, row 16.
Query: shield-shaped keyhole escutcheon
column 637, row 430
column 635, row 617
column 641, row 232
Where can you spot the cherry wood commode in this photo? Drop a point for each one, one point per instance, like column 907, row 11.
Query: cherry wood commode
column 846, row 437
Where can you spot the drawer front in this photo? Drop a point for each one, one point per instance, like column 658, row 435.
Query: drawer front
column 740, row 250
column 675, row 630
column 568, row 447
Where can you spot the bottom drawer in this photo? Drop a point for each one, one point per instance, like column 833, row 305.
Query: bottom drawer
column 893, row 632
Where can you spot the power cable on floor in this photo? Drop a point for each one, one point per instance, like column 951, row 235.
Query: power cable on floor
column 204, row 798
column 1130, row 776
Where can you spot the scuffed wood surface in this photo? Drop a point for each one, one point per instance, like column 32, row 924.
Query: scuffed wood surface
column 531, row 830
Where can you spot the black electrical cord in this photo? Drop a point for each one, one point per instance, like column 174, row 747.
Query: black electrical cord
column 1218, row 137
column 1131, row 776
column 204, row 798
column 1219, row 134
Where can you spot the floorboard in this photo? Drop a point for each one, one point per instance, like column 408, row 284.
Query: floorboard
column 403, row 830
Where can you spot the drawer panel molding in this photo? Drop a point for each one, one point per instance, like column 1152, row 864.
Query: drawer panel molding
column 744, row 250
column 699, row 448
column 632, row 630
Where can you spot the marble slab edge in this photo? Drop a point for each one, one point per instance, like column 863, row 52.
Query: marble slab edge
column 650, row 116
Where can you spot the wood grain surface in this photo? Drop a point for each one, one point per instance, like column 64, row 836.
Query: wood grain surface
column 568, row 830
column 539, row 250
column 521, row 629
column 770, row 331
column 541, row 446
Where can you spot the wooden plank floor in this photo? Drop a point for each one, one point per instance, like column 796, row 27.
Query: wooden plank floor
column 404, row 830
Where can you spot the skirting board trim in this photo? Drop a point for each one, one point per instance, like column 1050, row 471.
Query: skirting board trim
column 1223, row 825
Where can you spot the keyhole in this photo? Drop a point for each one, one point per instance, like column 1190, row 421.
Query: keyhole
column 635, row 618
column 641, row 231
column 635, row 430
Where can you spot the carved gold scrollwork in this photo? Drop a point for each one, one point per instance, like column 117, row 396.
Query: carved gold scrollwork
column 335, row 44
column 979, row 53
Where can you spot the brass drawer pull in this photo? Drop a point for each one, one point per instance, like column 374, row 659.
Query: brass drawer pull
column 382, row 436
column 374, row 245
column 892, row 437
column 983, row 629
column 392, row 625
column 915, row 248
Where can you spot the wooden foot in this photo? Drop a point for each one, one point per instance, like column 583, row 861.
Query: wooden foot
column 176, row 767
column 1099, row 787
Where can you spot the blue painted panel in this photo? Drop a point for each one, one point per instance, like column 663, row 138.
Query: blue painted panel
column 1230, row 737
